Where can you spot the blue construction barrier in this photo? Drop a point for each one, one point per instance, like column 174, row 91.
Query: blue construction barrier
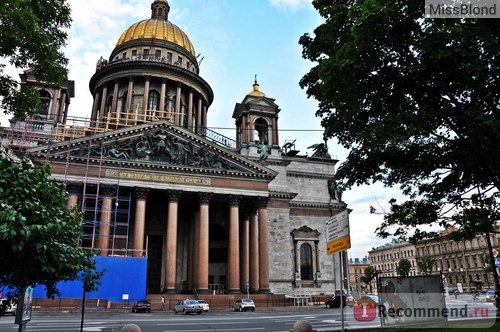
column 123, row 277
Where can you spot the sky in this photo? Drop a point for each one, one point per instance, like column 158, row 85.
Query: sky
column 237, row 39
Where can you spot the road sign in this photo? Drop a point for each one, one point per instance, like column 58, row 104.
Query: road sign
column 338, row 245
column 337, row 233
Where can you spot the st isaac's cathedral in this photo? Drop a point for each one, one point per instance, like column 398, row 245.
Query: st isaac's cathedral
column 207, row 213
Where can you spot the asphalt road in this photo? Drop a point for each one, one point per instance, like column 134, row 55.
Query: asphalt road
column 320, row 318
column 159, row 322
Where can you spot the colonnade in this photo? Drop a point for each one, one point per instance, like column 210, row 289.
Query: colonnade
column 248, row 256
column 58, row 111
column 194, row 117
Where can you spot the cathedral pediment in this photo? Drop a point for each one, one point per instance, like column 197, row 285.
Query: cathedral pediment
column 261, row 101
column 160, row 145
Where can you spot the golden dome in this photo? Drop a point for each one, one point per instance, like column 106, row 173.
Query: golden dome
column 255, row 92
column 157, row 29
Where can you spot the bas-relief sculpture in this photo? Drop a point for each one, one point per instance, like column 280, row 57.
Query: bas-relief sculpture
column 157, row 147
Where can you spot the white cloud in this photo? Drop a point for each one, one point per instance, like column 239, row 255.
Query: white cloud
column 289, row 4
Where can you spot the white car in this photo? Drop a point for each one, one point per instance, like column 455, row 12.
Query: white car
column 204, row 304
column 490, row 295
column 188, row 307
column 244, row 305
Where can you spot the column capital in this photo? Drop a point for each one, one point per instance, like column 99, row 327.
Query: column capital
column 234, row 200
column 246, row 210
column 252, row 210
column 107, row 190
column 141, row 193
column 262, row 202
column 204, row 197
column 174, row 195
column 74, row 187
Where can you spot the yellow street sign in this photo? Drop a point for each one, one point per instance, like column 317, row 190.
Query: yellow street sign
column 337, row 245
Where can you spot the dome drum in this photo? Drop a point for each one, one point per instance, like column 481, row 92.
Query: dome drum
column 124, row 69
column 168, row 53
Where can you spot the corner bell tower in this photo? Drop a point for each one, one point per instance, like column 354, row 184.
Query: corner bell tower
column 256, row 119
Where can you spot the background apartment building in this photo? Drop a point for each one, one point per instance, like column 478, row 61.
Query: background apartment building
column 356, row 270
column 461, row 262
column 385, row 258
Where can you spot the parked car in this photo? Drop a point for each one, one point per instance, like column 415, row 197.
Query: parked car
column 188, row 307
column 8, row 307
column 490, row 295
column 334, row 301
column 244, row 305
column 141, row 306
column 368, row 300
column 350, row 301
column 204, row 305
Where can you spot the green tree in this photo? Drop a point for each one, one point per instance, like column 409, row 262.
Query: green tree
column 370, row 274
column 416, row 102
column 32, row 34
column 488, row 260
column 426, row 264
column 91, row 280
column 403, row 267
column 38, row 233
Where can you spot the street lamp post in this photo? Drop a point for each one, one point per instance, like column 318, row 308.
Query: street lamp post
column 465, row 264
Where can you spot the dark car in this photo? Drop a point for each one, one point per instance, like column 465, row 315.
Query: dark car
column 334, row 301
column 8, row 307
column 141, row 306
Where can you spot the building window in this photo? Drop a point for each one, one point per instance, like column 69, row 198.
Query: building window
column 44, row 104
column 158, row 55
column 154, row 100
column 261, row 128
column 305, row 256
column 109, row 102
column 306, row 262
column 124, row 104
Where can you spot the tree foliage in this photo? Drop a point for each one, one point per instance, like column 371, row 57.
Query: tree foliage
column 426, row 264
column 32, row 34
column 416, row 101
column 370, row 274
column 403, row 267
column 38, row 233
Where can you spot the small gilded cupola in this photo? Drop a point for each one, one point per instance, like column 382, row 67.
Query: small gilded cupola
column 256, row 119
column 256, row 92
column 160, row 10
